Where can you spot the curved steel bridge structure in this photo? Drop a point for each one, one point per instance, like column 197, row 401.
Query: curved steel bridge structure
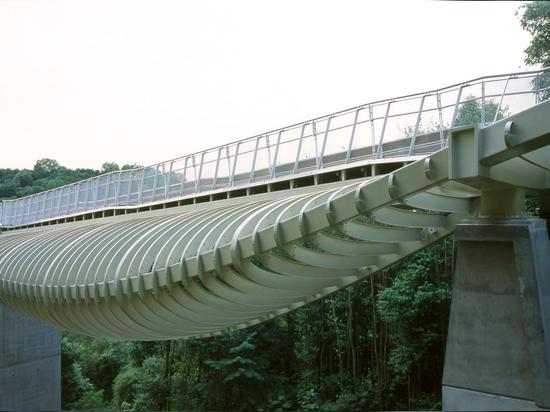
column 181, row 268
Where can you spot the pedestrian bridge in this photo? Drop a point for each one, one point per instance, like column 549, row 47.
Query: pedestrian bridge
column 235, row 235
column 238, row 234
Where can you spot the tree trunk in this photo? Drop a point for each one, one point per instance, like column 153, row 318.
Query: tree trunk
column 351, row 342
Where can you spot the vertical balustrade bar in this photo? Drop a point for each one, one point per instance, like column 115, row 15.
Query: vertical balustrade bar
column 440, row 113
column 77, row 196
column 297, row 161
column 228, row 157
column 155, row 183
column 184, row 176
column 537, row 88
column 232, row 177
column 268, row 148
column 28, row 210
column 457, row 104
column 59, row 201
column 254, row 157
column 169, row 180
column 350, row 144
column 118, row 187
column 274, row 167
column 380, row 149
column 130, row 183
column 501, row 99
column 43, row 213
column 198, row 181
column 109, row 181
column 417, row 125
column 372, row 132
column 215, row 180
column 314, row 133
column 482, row 103
column 323, row 147
column 140, row 186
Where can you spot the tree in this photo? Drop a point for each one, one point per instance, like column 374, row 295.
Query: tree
column 535, row 19
column 130, row 166
column 109, row 167
column 469, row 112
column 24, row 178
column 45, row 167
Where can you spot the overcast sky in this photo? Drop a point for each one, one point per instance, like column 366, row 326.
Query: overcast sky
column 85, row 82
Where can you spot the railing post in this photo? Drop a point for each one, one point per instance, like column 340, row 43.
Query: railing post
column 77, row 196
column 155, row 182
column 537, row 88
column 323, row 147
column 501, row 99
column 140, row 186
column 108, row 182
column 482, row 103
column 274, row 167
column 130, row 182
column 297, row 161
column 417, row 125
column 60, row 197
column 314, row 133
column 350, row 145
column 215, row 180
column 169, row 180
column 198, row 181
column 118, row 187
column 380, row 149
column 184, row 176
column 254, row 156
column 455, row 111
column 232, row 177
column 440, row 113
column 268, row 148
column 373, row 134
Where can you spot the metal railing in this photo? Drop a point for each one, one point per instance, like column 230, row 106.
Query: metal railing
column 391, row 128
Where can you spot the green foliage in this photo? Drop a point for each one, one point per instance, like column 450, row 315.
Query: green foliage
column 46, row 174
column 535, row 19
column 470, row 112
column 109, row 167
column 45, row 167
column 378, row 344
column 77, row 391
column 130, row 166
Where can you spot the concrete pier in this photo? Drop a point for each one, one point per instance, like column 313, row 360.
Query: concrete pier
column 498, row 346
column 30, row 363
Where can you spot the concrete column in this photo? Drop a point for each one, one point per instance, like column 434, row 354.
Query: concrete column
column 498, row 346
column 545, row 207
column 30, row 363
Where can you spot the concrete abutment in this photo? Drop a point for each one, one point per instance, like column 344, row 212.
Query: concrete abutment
column 30, row 363
column 498, row 346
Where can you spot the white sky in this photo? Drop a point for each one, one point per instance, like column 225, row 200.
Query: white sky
column 85, row 82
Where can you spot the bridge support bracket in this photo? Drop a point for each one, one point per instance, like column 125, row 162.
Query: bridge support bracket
column 498, row 345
